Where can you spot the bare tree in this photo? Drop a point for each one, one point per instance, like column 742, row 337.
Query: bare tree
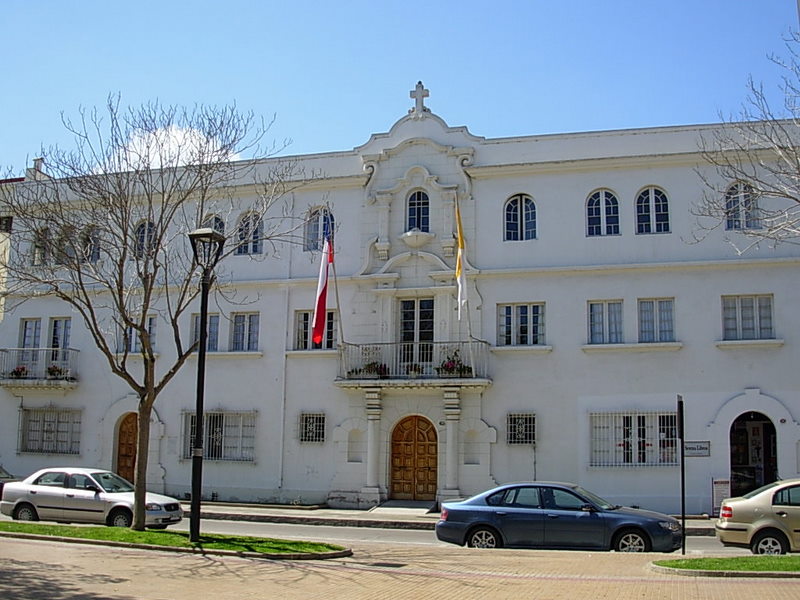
column 104, row 226
column 754, row 191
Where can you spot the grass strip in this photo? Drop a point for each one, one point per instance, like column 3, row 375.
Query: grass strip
column 174, row 539
column 735, row 563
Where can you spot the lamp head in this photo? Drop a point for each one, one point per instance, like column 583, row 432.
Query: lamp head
column 207, row 245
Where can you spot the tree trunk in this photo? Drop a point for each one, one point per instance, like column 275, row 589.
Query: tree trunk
column 142, row 455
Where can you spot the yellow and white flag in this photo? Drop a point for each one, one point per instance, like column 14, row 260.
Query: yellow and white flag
column 461, row 279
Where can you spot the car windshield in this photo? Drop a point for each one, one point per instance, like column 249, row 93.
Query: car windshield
column 761, row 489
column 111, row 482
column 594, row 498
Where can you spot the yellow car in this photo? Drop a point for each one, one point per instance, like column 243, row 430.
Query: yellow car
column 766, row 520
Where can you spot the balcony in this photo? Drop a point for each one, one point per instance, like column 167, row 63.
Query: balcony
column 414, row 364
column 38, row 367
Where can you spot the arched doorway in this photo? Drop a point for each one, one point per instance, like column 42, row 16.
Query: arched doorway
column 126, row 446
column 414, row 460
column 753, row 452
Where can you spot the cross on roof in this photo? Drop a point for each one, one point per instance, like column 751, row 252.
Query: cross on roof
column 419, row 94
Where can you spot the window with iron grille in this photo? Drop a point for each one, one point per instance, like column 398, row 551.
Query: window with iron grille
column 50, row 431
column 521, row 428
column 520, row 324
column 633, row 439
column 227, row 435
column 303, row 331
column 747, row 318
column 312, row 428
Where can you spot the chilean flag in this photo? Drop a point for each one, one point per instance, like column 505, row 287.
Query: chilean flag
column 318, row 323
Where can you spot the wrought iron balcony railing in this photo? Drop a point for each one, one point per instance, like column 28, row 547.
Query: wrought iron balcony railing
column 26, row 366
column 414, row 360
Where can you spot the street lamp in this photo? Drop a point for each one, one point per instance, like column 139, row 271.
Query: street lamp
column 207, row 245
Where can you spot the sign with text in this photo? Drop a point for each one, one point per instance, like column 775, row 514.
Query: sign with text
column 697, row 448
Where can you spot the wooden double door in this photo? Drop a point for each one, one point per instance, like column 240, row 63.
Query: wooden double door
column 414, row 460
column 126, row 446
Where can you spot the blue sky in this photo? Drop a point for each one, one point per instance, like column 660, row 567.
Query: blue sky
column 333, row 73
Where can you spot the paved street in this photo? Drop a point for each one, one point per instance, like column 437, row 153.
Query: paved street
column 56, row 571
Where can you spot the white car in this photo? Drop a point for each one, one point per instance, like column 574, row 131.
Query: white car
column 72, row 494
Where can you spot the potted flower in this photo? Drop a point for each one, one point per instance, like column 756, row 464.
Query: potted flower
column 376, row 368
column 19, row 372
column 413, row 370
column 453, row 366
column 55, row 372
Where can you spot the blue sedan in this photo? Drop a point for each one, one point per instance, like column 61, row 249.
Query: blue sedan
column 554, row 515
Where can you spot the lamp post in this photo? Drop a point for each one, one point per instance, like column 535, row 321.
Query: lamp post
column 207, row 247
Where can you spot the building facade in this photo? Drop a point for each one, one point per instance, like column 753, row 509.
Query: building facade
column 590, row 309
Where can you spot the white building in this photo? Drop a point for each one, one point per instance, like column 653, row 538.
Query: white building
column 589, row 309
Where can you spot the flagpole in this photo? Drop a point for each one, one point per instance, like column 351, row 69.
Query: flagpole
column 338, row 304
column 461, row 283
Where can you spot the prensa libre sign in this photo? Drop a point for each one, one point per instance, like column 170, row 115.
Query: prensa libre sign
column 692, row 449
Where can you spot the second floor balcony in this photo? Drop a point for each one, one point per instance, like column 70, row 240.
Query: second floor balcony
column 414, row 363
column 38, row 367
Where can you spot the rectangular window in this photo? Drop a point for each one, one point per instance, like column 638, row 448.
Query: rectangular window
column 312, row 428
column 212, row 341
column 605, row 322
column 520, row 428
column 747, row 318
column 633, row 439
column 59, row 341
column 50, row 431
column 130, row 341
column 655, row 320
column 244, row 333
column 302, row 327
column 520, row 324
column 227, row 436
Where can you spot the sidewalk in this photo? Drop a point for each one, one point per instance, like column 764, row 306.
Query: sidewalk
column 390, row 515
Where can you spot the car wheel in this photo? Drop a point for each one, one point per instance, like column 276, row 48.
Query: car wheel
column 26, row 512
column 769, row 542
column 483, row 537
column 631, row 540
column 120, row 517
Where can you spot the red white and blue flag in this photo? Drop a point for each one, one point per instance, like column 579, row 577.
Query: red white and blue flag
column 320, row 312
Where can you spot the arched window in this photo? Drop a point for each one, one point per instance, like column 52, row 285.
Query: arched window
column 520, row 217
column 90, row 245
column 40, row 251
column 250, row 235
column 652, row 211
column 741, row 207
column 320, row 225
column 602, row 214
column 144, row 239
column 216, row 223
column 418, row 209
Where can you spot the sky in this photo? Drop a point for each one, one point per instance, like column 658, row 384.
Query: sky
column 333, row 73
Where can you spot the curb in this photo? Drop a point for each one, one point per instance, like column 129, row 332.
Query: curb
column 303, row 520
column 277, row 556
column 358, row 522
column 732, row 574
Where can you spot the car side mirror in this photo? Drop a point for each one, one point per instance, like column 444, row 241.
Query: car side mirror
column 587, row 508
column 93, row 488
